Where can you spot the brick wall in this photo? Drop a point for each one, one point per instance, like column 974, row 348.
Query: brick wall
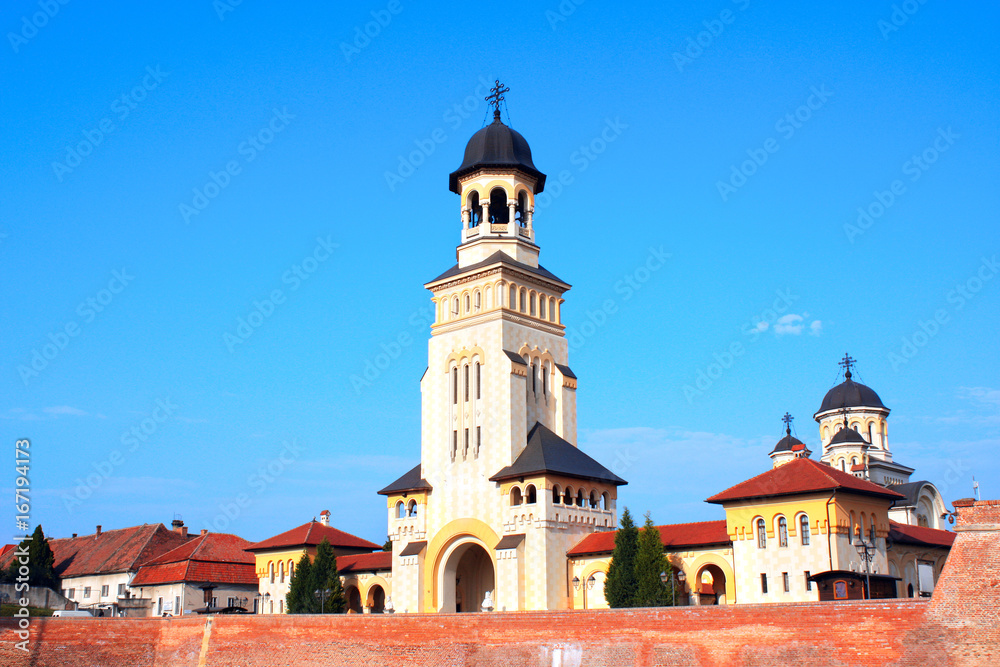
column 957, row 627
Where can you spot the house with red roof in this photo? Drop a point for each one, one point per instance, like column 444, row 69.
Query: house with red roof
column 276, row 558
column 211, row 571
column 95, row 570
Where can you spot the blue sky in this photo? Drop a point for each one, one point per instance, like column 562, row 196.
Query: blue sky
column 823, row 178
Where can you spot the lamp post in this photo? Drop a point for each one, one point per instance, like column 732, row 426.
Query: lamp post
column 322, row 594
column 867, row 552
column 681, row 577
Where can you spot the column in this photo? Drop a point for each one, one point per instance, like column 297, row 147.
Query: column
column 511, row 224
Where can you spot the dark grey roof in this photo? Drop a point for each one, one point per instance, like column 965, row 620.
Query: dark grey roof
column 413, row 548
column 546, row 452
column 847, row 434
column 515, row 357
column 566, row 371
column 850, row 394
column 411, row 481
column 786, row 444
column 496, row 145
column 911, row 490
column 510, row 541
column 500, row 257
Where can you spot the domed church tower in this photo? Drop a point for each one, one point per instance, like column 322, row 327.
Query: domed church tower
column 501, row 492
column 852, row 428
column 788, row 448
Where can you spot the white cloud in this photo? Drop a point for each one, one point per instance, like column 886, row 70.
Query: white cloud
column 816, row 328
column 981, row 395
column 64, row 410
column 788, row 324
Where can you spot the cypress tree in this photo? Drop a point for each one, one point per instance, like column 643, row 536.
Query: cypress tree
column 650, row 563
column 41, row 561
column 620, row 586
column 326, row 577
column 300, row 596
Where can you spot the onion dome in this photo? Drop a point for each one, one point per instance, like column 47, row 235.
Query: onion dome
column 496, row 146
column 850, row 394
column 847, row 435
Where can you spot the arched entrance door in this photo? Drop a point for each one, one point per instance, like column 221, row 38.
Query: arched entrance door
column 376, row 599
column 465, row 577
column 353, row 598
column 711, row 583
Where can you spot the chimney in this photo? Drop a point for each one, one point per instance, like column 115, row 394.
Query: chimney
column 98, row 530
column 74, row 534
column 324, row 517
column 204, row 531
column 177, row 525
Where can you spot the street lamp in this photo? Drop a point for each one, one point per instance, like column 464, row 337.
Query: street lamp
column 576, row 583
column 267, row 596
column 322, row 594
column 590, row 582
column 867, row 552
column 681, row 577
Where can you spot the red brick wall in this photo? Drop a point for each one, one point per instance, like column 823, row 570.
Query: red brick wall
column 957, row 627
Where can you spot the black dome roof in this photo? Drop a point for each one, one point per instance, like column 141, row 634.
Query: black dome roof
column 847, row 434
column 496, row 145
column 850, row 394
column 786, row 444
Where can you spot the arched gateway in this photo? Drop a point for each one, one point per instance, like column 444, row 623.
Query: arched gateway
column 466, row 574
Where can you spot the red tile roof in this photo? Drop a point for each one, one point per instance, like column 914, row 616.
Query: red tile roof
column 801, row 476
column 380, row 560
column 674, row 535
column 312, row 533
column 121, row 550
column 217, row 558
column 902, row 533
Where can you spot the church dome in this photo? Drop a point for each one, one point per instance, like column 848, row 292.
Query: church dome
column 787, row 444
column 850, row 394
column 496, row 145
column 848, row 435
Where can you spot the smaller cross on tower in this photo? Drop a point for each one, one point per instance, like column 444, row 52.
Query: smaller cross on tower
column 788, row 423
column 496, row 97
column 847, row 362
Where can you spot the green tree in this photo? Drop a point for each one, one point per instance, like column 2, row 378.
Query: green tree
column 326, row 577
column 300, row 597
column 620, row 587
column 41, row 561
column 650, row 563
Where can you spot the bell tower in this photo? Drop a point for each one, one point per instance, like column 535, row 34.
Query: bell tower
column 501, row 492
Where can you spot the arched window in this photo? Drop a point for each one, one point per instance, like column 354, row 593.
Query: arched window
column 545, row 379
column 568, row 496
column 861, row 527
column 281, row 572
column 761, row 534
column 411, row 509
column 556, row 499
column 804, row 528
column 479, row 301
column 871, row 433
column 552, row 309
column 454, row 385
column 605, row 501
column 479, row 381
column 454, row 306
column 291, row 568
column 515, row 496
column 782, row 532
column 521, row 212
column 579, row 498
column 534, row 378
column 843, row 465
column 871, row 530
column 531, row 305
column 400, row 510
column 854, row 461
column 909, row 590
column 541, row 306
column 593, row 500
column 522, row 303
column 476, row 213
column 468, row 304
column 530, row 495
column 270, row 571
column 499, row 213
column 466, row 373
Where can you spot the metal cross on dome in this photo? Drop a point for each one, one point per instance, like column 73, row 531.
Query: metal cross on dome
column 847, row 362
column 788, row 423
column 496, row 96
